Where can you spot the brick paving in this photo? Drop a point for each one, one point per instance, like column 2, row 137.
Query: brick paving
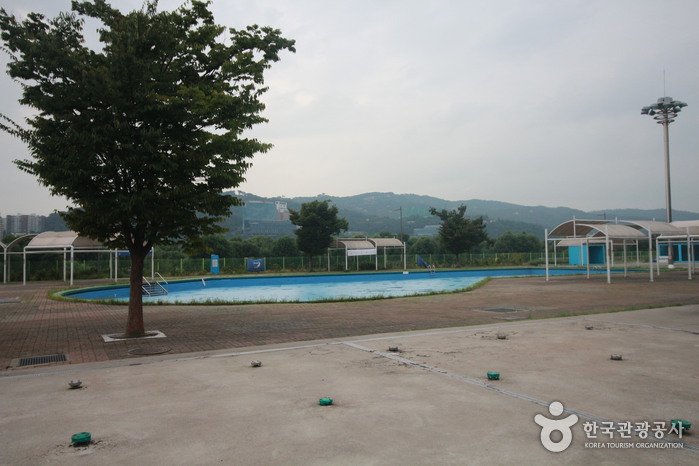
column 38, row 325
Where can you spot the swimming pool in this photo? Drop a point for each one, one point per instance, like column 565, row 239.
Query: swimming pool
column 310, row 288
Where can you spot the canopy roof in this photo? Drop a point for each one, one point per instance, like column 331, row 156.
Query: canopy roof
column 686, row 226
column 618, row 229
column 351, row 243
column 62, row 239
column 366, row 243
column 387, row 242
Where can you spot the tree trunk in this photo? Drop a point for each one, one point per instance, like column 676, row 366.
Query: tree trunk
column 134, row 323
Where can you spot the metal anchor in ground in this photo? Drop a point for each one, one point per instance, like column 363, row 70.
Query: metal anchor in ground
column 74, row 384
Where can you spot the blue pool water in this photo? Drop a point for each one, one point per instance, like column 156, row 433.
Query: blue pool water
column 308, row 288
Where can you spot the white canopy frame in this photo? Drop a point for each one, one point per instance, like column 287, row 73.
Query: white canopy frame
column 691, row 237
column 70, row 243
column 60, row 242
column 6, row 255
column 584, row 232
column 355, row 247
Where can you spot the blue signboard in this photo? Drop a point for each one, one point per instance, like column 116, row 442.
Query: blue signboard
column 214, row 264
column 256, row 265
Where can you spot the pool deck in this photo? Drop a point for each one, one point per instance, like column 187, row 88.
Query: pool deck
column 200, row 402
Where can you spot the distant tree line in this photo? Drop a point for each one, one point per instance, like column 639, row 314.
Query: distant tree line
column 285, row 246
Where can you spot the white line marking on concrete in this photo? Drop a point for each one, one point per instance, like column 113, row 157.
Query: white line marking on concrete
column 482, row 384
column 657, row 327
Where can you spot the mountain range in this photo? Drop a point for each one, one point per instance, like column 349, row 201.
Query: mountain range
column 371, row 213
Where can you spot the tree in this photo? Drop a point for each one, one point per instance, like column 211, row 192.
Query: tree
column 284, row 246
column 143, row 133
column 264, row 244
column 317, row 222
column 424, row 245
column 457, row 233
column 521, row 242
column 243, row 248
column 214, row 244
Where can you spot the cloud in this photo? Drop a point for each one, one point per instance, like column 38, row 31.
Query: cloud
column 528, row 102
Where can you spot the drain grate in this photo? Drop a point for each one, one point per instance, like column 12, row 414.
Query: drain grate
column 10, row 300
column 501, row 310
column 35, row 360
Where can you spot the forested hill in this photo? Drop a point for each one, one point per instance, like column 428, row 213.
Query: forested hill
column 371, row 213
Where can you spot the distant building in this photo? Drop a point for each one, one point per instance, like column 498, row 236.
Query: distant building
column 269, row 228
column 282, row 211
column 266, row 218
column 23, row 224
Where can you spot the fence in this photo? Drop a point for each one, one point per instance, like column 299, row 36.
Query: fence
column 51, row 268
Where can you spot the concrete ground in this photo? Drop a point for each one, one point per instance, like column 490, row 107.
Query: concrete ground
column 430, row 402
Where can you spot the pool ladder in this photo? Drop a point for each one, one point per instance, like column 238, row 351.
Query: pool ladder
column 155, row 288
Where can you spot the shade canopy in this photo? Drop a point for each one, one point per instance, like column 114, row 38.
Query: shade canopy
column 581, row 233
column 62, row 239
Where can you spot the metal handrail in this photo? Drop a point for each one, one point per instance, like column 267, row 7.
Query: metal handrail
column 162, row 278
column 151, row 285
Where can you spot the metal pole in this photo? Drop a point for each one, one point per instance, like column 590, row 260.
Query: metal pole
column 609, row 253
column 668, row 195
column 668, row 201
column 546, row 249
column 689, row 255
column 587, row 251
column 405, row 261
column 72, row 261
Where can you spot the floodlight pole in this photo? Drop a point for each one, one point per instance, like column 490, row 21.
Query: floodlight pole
column 664, row 111
column 668, row 191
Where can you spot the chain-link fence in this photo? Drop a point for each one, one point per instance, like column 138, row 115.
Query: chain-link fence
column 51, row 267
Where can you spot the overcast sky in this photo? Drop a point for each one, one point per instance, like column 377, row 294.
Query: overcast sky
column 529, row 102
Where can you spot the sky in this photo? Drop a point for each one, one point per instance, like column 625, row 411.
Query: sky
column 533, row 102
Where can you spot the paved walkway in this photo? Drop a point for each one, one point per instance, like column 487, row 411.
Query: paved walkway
column 34, row 325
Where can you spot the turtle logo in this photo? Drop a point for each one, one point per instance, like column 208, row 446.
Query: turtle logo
column 548, row 426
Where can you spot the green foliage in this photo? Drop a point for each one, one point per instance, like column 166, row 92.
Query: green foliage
column 54, row 222
column 7, row 239
column 244, row 248
column 263, row 244
column 425, row 245
column 317, row 222
column 457, row 233
column 284, row 246
column 144, row 133
column 521, row 242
